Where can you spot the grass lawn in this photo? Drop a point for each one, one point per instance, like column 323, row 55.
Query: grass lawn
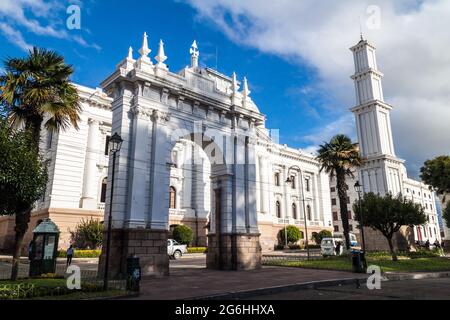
column 37, row 282
column 404, row 264
column 55, row 283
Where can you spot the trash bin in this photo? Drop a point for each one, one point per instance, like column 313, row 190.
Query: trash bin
column 358, row 262
column 133, row 273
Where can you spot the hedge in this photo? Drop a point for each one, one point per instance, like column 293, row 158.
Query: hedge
column 81, row 253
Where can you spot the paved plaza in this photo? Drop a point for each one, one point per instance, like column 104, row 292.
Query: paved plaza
column 427, row 289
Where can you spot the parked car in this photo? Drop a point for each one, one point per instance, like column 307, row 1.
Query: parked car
column 175, row 250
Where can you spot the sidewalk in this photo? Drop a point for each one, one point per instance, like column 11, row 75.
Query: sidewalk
column 201, row 283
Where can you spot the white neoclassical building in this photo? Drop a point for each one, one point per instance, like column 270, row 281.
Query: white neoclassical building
column 382, row 172
column 195, row 146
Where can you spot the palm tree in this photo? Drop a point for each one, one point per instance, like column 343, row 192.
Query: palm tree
column 35, row 92
column 338, row 157
column 37, row 87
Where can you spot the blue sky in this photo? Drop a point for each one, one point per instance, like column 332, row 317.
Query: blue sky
column 294, row 53
column 278, row 87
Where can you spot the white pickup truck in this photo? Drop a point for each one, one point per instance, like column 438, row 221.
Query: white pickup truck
column 175, row 250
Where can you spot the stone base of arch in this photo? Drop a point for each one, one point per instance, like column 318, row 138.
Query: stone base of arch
column 234, row 252
column 149, row 245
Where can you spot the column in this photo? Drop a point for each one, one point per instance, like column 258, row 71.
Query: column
column 251, row 214
column 239, row 187
column 264, row 185
column 138, row 187
column 160, row 172
column 90, row 185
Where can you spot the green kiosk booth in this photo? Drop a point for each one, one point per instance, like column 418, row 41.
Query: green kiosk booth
column 44, row 248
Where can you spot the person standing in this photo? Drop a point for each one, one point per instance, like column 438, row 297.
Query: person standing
column 338, row 248
column 70, row 253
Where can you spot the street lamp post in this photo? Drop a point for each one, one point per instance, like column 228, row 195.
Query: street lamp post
column 358, row 188
column 303, row 205
column 115, row 143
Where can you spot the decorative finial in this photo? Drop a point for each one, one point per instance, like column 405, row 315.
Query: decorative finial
column 246, row 92
column 130, row 53
column 144, row 51
column 194, row 54
column 161, row 57
column 234, row 85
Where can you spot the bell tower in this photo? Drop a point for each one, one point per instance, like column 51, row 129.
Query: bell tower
column 382, row 171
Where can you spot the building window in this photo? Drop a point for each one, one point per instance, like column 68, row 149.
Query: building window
column 173, row 198
column 108, row 138
column 349, row 215
column 333, row 202
column 278, row 209
column 277, row 179
column 308, row 185
column 350, row 227
column 293, row 182
column 431, row 207
column 308, row 212
column 103, row 192
column 348, row 200
column 335, row 216
column 336, row 228
column 333, row 189
column 294, row 211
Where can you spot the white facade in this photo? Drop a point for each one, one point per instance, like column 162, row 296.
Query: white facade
column 79, row 161
column 383, row 172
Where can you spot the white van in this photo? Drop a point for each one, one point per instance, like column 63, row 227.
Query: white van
column 353, row 239
column 328, row 246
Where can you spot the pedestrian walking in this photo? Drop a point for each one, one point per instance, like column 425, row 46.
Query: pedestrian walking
column 70, row 253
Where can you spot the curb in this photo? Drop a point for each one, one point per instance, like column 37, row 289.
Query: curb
column 415, row 276
column 236, row 295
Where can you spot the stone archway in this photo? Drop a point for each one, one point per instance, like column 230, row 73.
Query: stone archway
column 151, row 116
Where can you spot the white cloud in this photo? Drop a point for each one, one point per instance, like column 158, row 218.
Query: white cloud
column 14, row 36
column 413, row 44
column 40, row 17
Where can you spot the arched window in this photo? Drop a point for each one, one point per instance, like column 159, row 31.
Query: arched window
column 294, row 211
column 103, row 192
column 173, row 198
column 277, row 179
column 278, row 209
column 308, row 212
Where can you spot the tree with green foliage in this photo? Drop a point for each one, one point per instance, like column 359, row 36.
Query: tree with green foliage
column 293, row 235
column 339, row 158
column 36, row 91
column 318, row 236
column 183, row 234
column 436, row 173
column 88, row 234
column 23, row 178
column 388, row 214
column 446, row 214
